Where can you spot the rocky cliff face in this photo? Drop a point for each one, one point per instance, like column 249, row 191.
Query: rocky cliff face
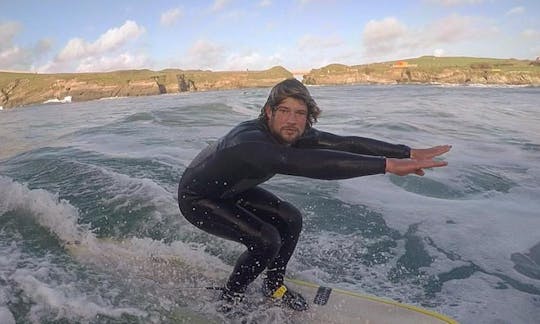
column 415, row 75
column 19, row 89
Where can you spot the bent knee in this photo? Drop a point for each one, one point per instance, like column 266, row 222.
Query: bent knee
column 269, row 240
column 292, row 216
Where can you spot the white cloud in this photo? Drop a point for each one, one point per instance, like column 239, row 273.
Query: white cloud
column 252, row 61
column 8, row 31
column 265, row 3
column 208, row 55
column 205, row 55
column 531, row 33
column 9, row 57
column 390, row 37
column 170, row 17
column 219, row 5
column 383, row 35
column 310, row 42
column 453, row 28
column 516, row 11
column 110, row 63
column 113, row 39
column 450, row 3
column 438, row 52
column 101, row 55
column 16, row 57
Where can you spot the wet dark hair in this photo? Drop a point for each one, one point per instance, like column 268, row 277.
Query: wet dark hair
column 291, row 88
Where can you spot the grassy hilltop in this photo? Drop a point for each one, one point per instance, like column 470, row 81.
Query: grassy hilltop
column 431, row 69
column 19, row 89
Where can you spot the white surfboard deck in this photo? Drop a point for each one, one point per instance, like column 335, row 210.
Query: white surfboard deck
column 344, row 306
column 179, row 276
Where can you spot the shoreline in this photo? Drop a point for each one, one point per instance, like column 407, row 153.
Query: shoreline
column 442, row 85
column 24, row 89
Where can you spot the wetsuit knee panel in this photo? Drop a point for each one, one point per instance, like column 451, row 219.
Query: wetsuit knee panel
column 292, row 216
column 269, row 240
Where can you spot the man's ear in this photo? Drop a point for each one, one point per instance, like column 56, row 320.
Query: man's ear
column 268, row 111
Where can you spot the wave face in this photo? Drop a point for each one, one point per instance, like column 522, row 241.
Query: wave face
column 88, row 202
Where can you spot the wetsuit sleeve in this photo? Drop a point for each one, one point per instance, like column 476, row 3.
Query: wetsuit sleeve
column 353, row 144
column 312, row 163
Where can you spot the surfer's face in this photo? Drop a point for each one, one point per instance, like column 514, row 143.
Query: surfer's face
column 288, row 120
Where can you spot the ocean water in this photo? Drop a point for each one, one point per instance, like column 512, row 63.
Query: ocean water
column 462, row 240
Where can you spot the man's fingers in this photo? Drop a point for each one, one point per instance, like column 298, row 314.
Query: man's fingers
column 431, row 164
column 441, row 149
column 426, row 154
column 419, row 172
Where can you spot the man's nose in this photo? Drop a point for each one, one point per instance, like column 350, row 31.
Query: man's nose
column 291, row 117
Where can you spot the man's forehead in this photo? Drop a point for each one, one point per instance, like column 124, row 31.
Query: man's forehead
column 293, row 103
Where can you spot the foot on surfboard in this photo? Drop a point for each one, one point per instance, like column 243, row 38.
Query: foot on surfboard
column 286, row 297
column 229, row 300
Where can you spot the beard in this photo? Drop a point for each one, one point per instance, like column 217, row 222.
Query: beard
column 287, row 135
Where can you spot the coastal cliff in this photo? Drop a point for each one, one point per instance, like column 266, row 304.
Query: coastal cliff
column 431, row 70
column 20, row 89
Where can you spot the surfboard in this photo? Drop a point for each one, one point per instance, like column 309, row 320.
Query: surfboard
column 332, row 305
column 186, row 279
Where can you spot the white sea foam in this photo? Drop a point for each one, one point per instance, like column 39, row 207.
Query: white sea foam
column 6, row 317
column 66, row 302
column 245, row 111
column 66, row 99
column 56, row 215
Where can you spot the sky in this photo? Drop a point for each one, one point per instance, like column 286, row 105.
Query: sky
column 51, row 36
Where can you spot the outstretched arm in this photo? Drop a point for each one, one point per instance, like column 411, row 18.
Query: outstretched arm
column 353, row 144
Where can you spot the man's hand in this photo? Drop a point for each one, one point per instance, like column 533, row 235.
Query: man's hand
column 403, row 167
column 429, row 153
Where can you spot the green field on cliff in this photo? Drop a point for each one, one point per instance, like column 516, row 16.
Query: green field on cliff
column 20, row 89
column 425, row 63
column 39, row 81
column 436, row 64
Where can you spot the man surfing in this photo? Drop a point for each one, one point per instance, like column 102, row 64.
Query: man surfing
column 219, row 191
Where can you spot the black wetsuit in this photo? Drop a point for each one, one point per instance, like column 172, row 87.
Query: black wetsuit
column 218, row 192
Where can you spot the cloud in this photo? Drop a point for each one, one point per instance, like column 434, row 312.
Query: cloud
column 438, row 52
column 16, row 57
column 208, row 55
column 310, row 42
column 531, row 33
column 205, row 55
column 112, row 39
column 10, row 54
column 8, row 31
column 171, row 16
column 109, row 63
column 10, row 57
column 383, row 35
column 103, row 54
column 265, row 3
column 453, row 28
column 252, row 61
column 451, row 3
column 515, row 11
column 391, row 37
column 219, row 5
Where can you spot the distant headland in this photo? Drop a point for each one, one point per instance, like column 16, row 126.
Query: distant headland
column 21, row 89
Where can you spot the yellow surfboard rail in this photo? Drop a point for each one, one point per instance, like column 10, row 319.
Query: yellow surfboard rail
column 433, row 314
